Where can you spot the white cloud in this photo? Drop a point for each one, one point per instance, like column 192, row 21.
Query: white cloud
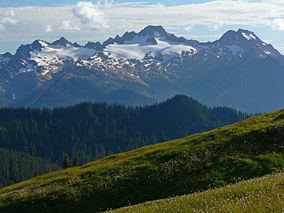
column 90, row 15
column 134, row 16
column 10, row 13
column 213, row 14
column 6, row 21
column 217, row 25
column 67, row 25
column 278, row 24
column 188, row 28
column 48, row 28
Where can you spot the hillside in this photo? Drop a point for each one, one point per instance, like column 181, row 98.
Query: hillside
column 248, row 149
column 264, row 194
column 89, row 131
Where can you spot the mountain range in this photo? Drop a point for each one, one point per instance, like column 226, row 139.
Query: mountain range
column 238, row 70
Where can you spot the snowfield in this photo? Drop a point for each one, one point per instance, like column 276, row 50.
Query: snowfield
column 138, row 51
column 54, row 54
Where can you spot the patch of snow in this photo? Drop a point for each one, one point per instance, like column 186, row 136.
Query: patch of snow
column 24, row 70
column 43, row 44
column 267, row 52
column 249, row 36
column 45, row 72
column 28, row 68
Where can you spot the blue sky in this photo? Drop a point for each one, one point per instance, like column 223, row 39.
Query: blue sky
column 22, row 21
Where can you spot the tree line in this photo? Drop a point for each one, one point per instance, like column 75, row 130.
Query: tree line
column 68, row 136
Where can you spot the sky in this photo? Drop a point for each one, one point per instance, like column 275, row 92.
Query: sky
column 23, row 21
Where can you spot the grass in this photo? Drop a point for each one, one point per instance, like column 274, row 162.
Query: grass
column 264, row 194
column 245, row 150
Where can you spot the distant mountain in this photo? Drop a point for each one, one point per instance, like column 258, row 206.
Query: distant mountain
column 239, row 70
column 249, row 149
column 89, row 131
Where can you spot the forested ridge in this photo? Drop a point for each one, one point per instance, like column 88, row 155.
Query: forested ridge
column 89, row 131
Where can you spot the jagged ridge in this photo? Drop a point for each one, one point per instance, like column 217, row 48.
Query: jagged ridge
column 153, row 64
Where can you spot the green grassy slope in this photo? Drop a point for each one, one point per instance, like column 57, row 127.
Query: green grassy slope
column 264, row 194
column 248, row 149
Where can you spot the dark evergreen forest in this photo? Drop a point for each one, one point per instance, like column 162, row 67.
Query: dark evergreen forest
column 34, row 141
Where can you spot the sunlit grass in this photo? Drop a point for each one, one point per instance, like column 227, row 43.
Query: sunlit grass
column 264, row 194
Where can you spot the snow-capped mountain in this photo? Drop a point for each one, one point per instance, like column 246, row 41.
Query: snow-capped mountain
column 238, row 70
column 244, row 43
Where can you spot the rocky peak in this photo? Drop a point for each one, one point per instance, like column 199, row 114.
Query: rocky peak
column 62, row 42
column 155, row 31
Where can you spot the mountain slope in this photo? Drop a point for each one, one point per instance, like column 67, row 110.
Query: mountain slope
column 238, row 70
column 264, row 194
column 244, row 150
column 89, row 131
